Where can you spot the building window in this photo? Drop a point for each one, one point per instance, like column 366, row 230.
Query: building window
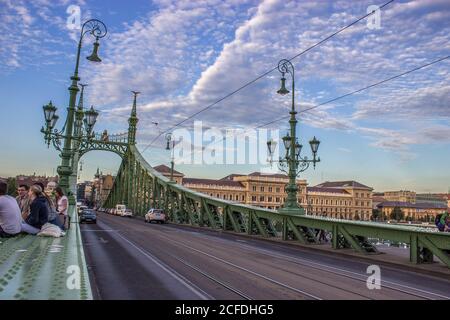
column 261, row 198
column 357, row 194
column 237, row 198
column 254, row 188
column 278, row 189
column 270, row 189
column 277, row 199
column 243, row 198
column 269, row 199
column 262, row 189
column 254, row 198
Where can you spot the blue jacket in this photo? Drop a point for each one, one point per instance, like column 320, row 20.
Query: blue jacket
column 38, row 212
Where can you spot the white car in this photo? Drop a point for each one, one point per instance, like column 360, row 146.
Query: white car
column 127, row 213
column 157, row 215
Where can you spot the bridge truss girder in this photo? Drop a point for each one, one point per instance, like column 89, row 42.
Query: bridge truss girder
column 141, row 187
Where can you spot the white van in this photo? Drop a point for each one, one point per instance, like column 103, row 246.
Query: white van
column 120, row 209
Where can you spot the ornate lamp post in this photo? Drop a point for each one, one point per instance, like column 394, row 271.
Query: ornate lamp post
column 171, row 146
column 292, row 163
column 98, row 30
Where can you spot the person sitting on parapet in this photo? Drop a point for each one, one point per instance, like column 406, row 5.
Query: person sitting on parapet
column 38, row 211
column 62, row 207
column 53, row 215
column 10, row 218
column 443, row 222
column 23, row 200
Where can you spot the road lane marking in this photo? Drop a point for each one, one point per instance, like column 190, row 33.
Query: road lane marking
column 212, row 278
column 170, row 271
column 306, row 261
column 247, row 270
column 363, row 276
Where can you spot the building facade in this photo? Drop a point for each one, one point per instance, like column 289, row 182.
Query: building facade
column 400, row 196
column 433, row 198
column 165, row 171
column 102, row 185
column 413, row 211
column 341, row 199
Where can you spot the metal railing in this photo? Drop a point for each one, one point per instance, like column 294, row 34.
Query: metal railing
column 141, row 187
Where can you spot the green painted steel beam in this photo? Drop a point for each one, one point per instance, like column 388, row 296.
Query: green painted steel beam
column 45, row 268
column 344, row 232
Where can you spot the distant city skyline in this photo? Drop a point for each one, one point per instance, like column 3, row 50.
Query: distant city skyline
column 185, row 55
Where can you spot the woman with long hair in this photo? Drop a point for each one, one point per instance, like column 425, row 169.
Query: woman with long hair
column 62, row 206
column 38, row 211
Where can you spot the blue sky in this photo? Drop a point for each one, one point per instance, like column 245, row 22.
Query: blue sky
column 183, row 55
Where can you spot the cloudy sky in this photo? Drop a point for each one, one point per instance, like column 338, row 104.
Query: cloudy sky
column 185, row 55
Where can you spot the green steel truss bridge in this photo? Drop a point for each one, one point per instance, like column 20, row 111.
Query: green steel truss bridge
column 141, row 187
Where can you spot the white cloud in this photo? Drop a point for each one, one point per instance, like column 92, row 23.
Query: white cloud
column 185, row 55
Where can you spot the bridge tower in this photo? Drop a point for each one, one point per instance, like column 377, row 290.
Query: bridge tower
column 132, row 121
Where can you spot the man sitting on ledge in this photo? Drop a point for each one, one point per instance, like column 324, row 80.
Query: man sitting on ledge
column 10, row 215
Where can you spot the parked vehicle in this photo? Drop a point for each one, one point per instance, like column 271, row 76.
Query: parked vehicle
column 120, row 209
column 88, row 215
column 81, row 208
column 157, row 215
column 127, row 213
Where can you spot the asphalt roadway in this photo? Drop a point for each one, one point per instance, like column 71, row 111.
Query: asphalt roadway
column 130, row 259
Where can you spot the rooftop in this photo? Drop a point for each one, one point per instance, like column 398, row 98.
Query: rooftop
column 272, row 175
column 327, row 190
column 343, row 184
column 165, row 169
column 212, row 182
column 412, row 205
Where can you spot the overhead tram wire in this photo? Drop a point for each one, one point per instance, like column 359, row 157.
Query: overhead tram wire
column 263, row 75
column 360, row 90
column 343, row 96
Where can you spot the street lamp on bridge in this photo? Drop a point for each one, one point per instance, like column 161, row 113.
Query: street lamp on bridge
column 171, row 146
column 292, row 163
column 72, row 132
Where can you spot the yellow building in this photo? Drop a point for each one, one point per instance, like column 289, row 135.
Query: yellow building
column 413, row 211
column 341, row 199
column 102, row 185
column 400, row 196
column 165, row 171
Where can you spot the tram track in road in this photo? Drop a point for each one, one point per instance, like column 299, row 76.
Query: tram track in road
column 321, row 274
column 314, row 297
column 212, row 278
column 240, row 293
column 386, row 284
column 420, row 293
column 356, row 276
column 182, row 279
